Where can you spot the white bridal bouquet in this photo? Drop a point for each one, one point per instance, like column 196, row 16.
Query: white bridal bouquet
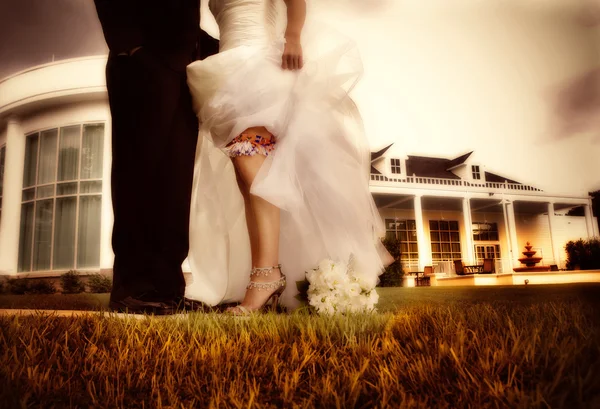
column 335, row 287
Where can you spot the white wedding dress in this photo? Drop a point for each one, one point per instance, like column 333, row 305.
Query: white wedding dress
column 318, row 174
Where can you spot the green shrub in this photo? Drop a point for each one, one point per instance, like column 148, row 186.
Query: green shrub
column 18, row 286
column 99, row 283
column 583, row 254
column 392, row 276
column 41, row 287
column 71, row 283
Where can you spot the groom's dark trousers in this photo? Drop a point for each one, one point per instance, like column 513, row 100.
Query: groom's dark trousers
column 154, row 134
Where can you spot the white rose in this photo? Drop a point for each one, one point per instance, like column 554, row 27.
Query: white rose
column 366, row 281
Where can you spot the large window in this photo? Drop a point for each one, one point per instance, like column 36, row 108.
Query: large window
column 61, row 205
column 445, row 240
column 406, row 232
column 2, row 162
column 396, row 168
column 485, row 231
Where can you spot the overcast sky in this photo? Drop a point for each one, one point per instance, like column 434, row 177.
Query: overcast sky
column 33, row 31
column 442, row 77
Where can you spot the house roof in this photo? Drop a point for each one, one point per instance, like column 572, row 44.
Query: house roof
column 429, row 167
column 492, row 177
column 379, row 154
column 458, row 161
column 425, row 166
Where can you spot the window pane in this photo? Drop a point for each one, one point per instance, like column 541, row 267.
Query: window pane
column 25, row 237
column 435, row 236
column 390, row 224
column 445, row 247
column 45, row 191
column 435, row 247
column 64, row 189
column 47, row 172
column 434, row 225
column 453, row 225
column 413, row 247
column 42, row 242
column 68, row 154
column 91, row 187
column 411, row 225
column 91, row 151
column 444, row 225
column 28, row 194
column 494, row 235
column 445, row 236
column 403, row 236
column 454, row 237
column 88, row 244
column 64, row 233
column 456, row 247
column 31, row 151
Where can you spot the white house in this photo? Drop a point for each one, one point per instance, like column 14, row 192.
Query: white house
column 446, row 209
column 55, row 209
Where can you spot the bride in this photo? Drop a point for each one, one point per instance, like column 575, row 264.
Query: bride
column 281, row 175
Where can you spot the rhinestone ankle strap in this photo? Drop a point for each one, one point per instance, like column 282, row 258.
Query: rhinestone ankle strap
column 271, row 285
column 263, row 271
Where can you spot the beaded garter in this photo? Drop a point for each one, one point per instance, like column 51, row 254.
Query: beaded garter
column 248, row 144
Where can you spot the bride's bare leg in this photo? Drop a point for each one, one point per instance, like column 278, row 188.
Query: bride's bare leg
column 263, row 224
column 250, row 219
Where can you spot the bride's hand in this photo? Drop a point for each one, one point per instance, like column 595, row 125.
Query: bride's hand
column 292, row 55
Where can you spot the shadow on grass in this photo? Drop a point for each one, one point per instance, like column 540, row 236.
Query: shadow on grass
column 391, row 298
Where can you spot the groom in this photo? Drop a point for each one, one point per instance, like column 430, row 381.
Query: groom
column 154, row 134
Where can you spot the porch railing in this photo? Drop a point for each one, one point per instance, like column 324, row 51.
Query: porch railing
column 442, row 182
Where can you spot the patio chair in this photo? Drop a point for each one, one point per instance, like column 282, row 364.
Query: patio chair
column 425, row 279
column 488, row 266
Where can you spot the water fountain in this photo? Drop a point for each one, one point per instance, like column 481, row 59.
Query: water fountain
column 530, row 261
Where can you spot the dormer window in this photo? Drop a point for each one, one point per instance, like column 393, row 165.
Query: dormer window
column 476, row 173
column 396, row 168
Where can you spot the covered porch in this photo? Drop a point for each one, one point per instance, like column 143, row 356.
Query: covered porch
column 437, row 228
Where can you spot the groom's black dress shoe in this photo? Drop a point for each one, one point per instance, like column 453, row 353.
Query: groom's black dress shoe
column 142, row 304
column 183, row 304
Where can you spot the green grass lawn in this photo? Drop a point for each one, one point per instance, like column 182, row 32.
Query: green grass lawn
column 486, row 347
column 391, row 298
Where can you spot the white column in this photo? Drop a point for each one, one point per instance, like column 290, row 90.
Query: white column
column 508, row 245
column 424, row 252
column 512, row 228
column 106, row 253
column 468, row 221
column 556, row 250
column 589, row 220
column 11, row 200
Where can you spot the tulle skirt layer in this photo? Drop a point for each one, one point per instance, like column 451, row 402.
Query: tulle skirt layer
column 317, row 175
